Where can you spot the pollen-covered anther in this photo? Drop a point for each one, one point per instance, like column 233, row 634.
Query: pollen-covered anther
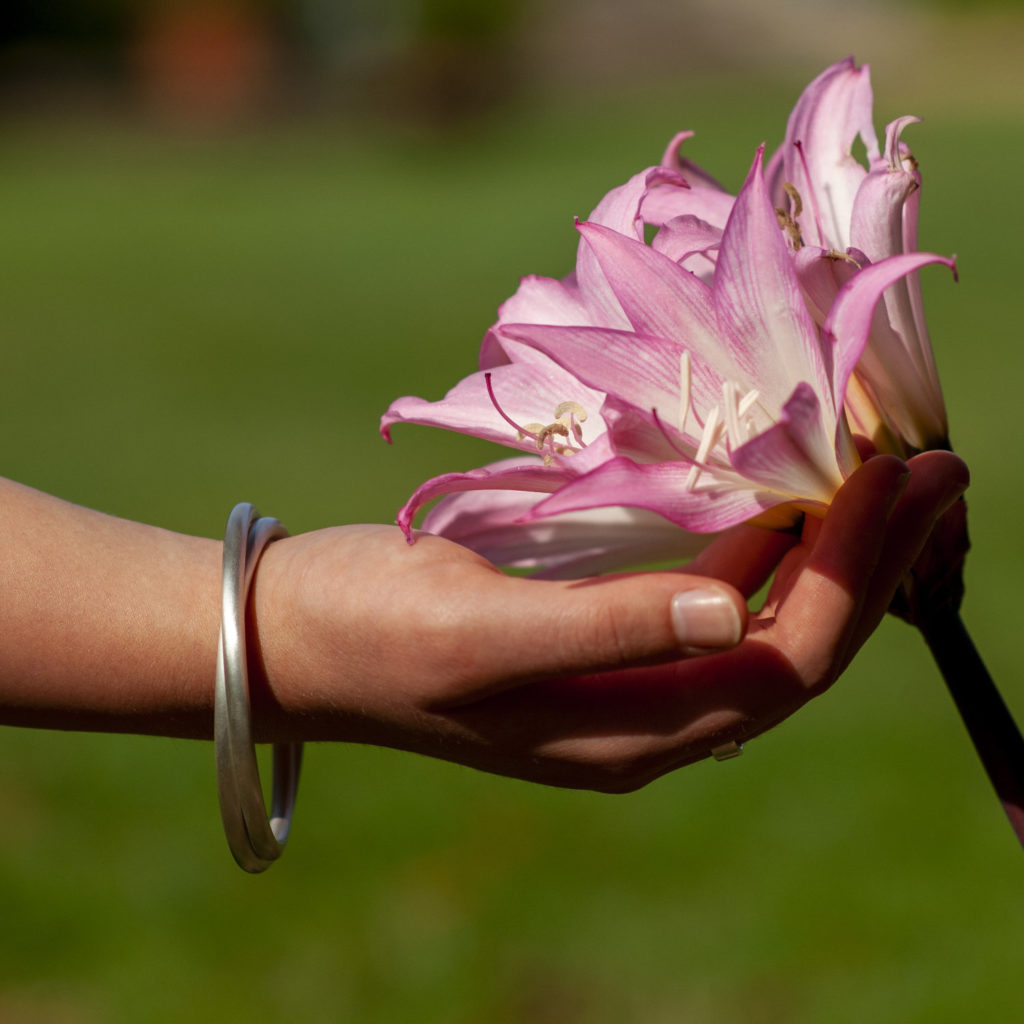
column 571, row 409
column 788, row 219
column 531, row 430
column 836, row 256
column 798, row 204
column 547, row 434
column 568, row 416
column 572, row 414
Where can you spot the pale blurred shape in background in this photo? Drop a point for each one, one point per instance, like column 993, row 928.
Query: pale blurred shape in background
column 220, row 63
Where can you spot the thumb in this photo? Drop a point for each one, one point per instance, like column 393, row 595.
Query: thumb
column 533, row 629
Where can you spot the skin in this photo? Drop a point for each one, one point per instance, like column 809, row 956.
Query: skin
column 356, row 636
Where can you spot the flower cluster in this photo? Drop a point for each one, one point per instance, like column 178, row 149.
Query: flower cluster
column 715, row 374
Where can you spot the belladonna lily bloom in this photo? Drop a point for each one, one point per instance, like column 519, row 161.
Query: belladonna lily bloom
column 839, row 218
column 717, row 374
column 636, row 384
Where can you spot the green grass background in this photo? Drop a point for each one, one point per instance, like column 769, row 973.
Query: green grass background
column 188, row 323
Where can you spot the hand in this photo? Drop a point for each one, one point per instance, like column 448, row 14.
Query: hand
column 595, row 683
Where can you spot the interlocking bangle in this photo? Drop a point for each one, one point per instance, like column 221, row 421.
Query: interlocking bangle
column 256, row 840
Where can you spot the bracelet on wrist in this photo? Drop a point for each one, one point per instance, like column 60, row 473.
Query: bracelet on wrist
column 256, row 839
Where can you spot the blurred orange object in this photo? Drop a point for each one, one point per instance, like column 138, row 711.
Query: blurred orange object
column 208, row 64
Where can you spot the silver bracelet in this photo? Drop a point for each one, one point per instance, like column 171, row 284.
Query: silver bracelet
column 256, row 840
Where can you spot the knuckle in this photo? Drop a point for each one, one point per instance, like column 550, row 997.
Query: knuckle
column 605, row 637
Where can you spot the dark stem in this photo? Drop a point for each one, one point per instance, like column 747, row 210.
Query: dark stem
column 989, row 722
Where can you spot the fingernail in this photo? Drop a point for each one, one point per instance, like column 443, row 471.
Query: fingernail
column 705, row 620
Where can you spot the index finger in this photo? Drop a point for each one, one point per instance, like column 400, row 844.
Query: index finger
column 815, row 619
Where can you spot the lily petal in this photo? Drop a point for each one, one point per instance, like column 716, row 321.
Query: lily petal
column 758, row 299
column 706, row 198
column 897, row 371
column 508, row 475
column 796, row 457
column 619, row 211
column 822, row 273
column 567, row 546
column 659, row 298
column 817, row 155
column 684, row 239
column 662, row 488
column 643, row 369
column 877, row 217
column 529, row 390
column 543, row 300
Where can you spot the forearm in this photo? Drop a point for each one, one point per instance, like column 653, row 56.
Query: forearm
column 106, row 624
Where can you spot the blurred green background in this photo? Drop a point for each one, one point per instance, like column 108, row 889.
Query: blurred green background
column 209, row 292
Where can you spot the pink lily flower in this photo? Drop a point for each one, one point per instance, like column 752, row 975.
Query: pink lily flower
column 634, row 383
column 717, row 375
column 839, row 218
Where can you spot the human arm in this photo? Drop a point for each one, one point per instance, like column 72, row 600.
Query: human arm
column 355, row 636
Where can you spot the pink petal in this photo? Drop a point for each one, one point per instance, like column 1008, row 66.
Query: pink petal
column 759, row 303
column 659, row 297
column 877, row 218
column 695, row 175
column 683, row 238
column 822, row 273
column 899, row 370
column 543, row 300
column 797, row 456
column 642, row 370
column 885, row 224
column 507, row 475
column 645, row 435
column 661, row 488
column 527, row 390
column 566, row 546
column 539, row 300
column 620, row 208
column 832, row 111
column 619, row 211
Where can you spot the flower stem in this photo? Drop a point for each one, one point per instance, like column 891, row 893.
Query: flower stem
column 989, row 723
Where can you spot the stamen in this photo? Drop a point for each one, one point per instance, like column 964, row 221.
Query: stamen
column 835, row 255
column 789, row 219
column 747, row 402
column 574, row 408
column 731, row 401
column 572, row 414
column 713, row 432
column 531, row 430
column 568, row 417
column 685, row 383
column 711, row 436
column 789, row 226
column 548, row 432
column 798, row 204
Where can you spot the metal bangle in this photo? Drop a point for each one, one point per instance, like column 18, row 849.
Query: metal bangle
column 255, row 839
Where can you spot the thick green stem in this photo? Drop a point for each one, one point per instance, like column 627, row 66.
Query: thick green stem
column 989, row 722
